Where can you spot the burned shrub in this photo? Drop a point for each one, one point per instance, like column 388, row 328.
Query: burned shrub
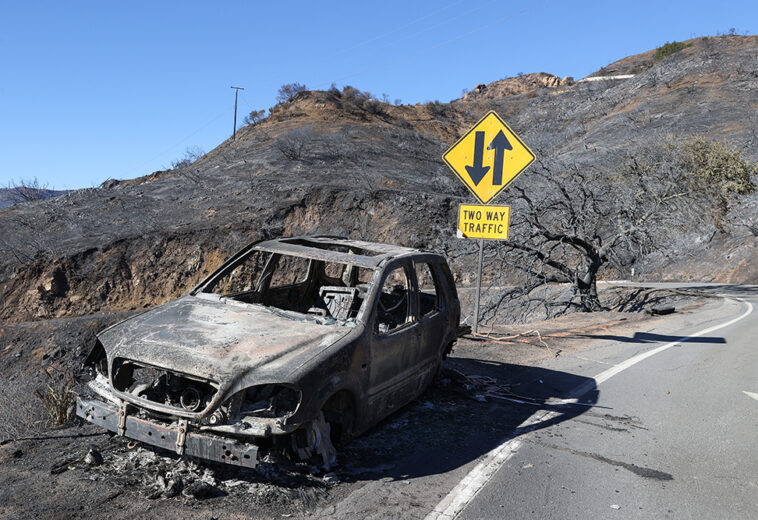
column 350, row 92
column 191, row 154
column 58, row 397
column 287, row 92
column 293, row 144
column 402, row 122
column 372, row 106
column 357, row 103
column 334, row 91
column 439, row 110
column 336, row 146
column 21, row 415
column 26, row 190
column 254, row 117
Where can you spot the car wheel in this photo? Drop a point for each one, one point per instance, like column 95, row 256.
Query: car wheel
column 333, row 426
column 313, row 443
column 438, row 369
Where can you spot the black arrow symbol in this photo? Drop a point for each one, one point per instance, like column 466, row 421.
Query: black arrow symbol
column 478, row 171
column 500, row 144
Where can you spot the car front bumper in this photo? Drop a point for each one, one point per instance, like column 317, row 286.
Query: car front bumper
column 176, row 437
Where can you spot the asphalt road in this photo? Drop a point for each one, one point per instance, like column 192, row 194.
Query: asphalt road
column 678, row 439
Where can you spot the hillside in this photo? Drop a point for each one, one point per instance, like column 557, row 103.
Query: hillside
column 336, row 162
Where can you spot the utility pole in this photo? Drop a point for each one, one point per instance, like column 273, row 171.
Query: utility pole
column 236, row 91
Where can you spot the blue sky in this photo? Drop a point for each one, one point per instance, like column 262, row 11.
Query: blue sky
column 98, row 90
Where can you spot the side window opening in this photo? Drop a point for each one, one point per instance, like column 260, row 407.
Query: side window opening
column 428, row 289
column 393, row 304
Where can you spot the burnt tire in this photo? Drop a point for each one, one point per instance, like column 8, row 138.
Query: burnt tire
column 438, row 370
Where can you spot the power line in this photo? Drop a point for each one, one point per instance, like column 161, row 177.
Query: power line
column 172, row 147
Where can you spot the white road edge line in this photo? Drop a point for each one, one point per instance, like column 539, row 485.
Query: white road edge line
column 462, row 494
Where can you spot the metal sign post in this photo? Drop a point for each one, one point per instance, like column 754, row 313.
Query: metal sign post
column 478, row 287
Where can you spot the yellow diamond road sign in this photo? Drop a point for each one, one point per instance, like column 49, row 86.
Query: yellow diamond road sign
column 488, row 158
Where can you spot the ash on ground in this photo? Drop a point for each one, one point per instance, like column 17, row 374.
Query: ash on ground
column 160, row 475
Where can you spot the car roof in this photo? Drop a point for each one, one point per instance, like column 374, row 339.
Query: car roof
column 337, row 249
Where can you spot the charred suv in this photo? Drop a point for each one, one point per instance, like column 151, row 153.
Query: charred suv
column 297, row 342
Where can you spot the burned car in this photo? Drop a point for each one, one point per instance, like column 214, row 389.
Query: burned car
column 298, row 343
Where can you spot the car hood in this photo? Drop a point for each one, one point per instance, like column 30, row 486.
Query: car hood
column 221, row 340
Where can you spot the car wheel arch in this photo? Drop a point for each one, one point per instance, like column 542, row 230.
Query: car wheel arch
column 338, row 400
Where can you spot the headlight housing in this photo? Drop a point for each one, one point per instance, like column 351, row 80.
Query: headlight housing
column 270, row 401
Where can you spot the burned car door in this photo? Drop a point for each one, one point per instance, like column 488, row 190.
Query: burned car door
column 394, row 343
column 432, row 318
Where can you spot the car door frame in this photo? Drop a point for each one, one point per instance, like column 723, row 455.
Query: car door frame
column 394, row 355
column 433, row 328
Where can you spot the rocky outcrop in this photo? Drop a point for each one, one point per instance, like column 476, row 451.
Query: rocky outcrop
column 518, row 85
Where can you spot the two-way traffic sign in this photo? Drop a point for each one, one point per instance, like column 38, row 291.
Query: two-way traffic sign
column 488, row 157
column 483, row 222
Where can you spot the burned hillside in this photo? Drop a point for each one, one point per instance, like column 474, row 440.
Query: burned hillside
column 340, row 163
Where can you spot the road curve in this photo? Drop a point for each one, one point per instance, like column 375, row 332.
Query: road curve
column 677, row 439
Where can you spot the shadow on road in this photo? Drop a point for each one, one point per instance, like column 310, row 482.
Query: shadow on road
column 647, row 337
column 731, row 289
column 713, row 288
column 449, row 426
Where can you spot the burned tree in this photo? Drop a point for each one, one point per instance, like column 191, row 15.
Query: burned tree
column 569, row 224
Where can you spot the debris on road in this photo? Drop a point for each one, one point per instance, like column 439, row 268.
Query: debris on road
column 660, row 310
column 330, row 478
column 162, row 475
column 93, row 457
column 484, row 388
column 506, row 340
column 200, row 490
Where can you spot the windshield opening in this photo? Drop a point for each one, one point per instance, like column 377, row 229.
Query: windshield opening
column 332, row 292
